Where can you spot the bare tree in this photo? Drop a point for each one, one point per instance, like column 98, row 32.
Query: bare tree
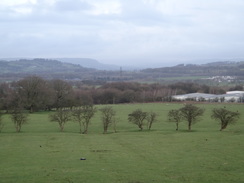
column 225, row 117
column 108, row 118
column 19, row 117
column 175, row 116
column 137, row 117
column 62, row 93
column 191, row 114
column 83, row 116
column 33, row 92
column 7, row 95
column 61, row 116
column 151, row 118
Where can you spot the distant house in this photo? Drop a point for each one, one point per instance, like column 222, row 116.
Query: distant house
column 233, row 96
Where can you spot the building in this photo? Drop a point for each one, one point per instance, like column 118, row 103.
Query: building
column 235, row 92
column 233, row 96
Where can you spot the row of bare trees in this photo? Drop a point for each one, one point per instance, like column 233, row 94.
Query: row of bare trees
column 84, row 114
column 34, row 93
column 189, row 113
column 192, row 114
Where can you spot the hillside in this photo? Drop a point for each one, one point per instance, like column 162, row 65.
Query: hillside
column 83, row 62
column 41, row 67
column 210, row 69
column 54, row 69
column 36, row 65
column 89, row 63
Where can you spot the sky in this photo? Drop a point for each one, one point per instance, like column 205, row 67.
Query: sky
column 128, row 32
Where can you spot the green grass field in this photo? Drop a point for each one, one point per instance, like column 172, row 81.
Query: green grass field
column 40, row 153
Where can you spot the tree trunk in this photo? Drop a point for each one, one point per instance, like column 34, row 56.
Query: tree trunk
column 223, row 126
column 189, row 126
column 80, row 129
column 17, row 127
column 141, row 128
column 105, row 128
column 61, row 127
column 177, row 126
column 85, row 129
column 150, row 126
column 85, row 132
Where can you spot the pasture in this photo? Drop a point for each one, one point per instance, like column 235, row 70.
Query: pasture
column 41, row 153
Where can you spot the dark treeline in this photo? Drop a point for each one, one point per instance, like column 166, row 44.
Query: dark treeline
column 34, row 93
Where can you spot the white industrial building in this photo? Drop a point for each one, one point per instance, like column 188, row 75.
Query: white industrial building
column 234, row 92
column 233, row 96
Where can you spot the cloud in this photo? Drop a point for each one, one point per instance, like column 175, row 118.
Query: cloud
column 122, row 29
column 106, row 7
column 143, row 12
column 72, row 5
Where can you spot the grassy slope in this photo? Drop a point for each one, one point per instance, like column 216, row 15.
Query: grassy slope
column 40, row 153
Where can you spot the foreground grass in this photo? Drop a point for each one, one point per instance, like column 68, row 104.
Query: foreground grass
column 40, row 153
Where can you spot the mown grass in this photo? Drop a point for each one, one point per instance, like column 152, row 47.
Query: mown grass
column 40, row 153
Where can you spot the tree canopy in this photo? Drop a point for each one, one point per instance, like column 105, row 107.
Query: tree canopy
column 191, row 114
column 225, row 117
column 61, row 116
column 108, row 117
column 175, row 115
column 83, row 116
column 137, row 117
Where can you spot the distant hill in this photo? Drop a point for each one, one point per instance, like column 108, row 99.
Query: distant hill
column 59, row 69
column 84, row 62
column 89, row 63
column 38, row 66
column 45, row 68
column 225, row 68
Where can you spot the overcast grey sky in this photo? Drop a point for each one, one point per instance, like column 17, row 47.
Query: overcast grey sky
column 123, row 31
